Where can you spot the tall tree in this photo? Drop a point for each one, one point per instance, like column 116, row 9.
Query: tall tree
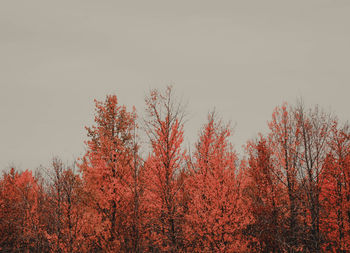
column 164, row 127
column 335, row 191
column 266, row 198
column 64, row 208
column 285, row 153
column 299, row 141
column 313, row 133
column 214, row 221
column 108, row 173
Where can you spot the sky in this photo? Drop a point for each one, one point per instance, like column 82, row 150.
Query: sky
column 241, row 57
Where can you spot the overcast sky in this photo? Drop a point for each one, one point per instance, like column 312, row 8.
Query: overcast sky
column 243, row 57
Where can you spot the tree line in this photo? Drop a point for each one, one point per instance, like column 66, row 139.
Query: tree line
column 290, row 192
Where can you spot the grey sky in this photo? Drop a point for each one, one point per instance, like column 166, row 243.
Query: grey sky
column 243, row 57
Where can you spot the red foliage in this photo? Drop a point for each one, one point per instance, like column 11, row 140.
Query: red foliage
column 266, row 198
column 108, row 168
column 163, row 168
column 335, row 192
column 214, row 220
column 290, row 194
column 19, row 218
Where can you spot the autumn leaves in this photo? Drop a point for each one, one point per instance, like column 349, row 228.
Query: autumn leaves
column 290, row 193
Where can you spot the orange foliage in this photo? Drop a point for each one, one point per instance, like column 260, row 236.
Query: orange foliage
column 291, row 193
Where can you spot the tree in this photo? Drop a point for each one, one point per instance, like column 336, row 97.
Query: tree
column 213, row 220
column 164, row 127
column 266, row 198
column 313, row 133
column 20, row 226
column 335, row 191
column 285, row 153
column 109, row 175
column 64, row 208
column 299, row 146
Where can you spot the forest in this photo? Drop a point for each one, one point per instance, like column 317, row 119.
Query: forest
column 289, row 192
